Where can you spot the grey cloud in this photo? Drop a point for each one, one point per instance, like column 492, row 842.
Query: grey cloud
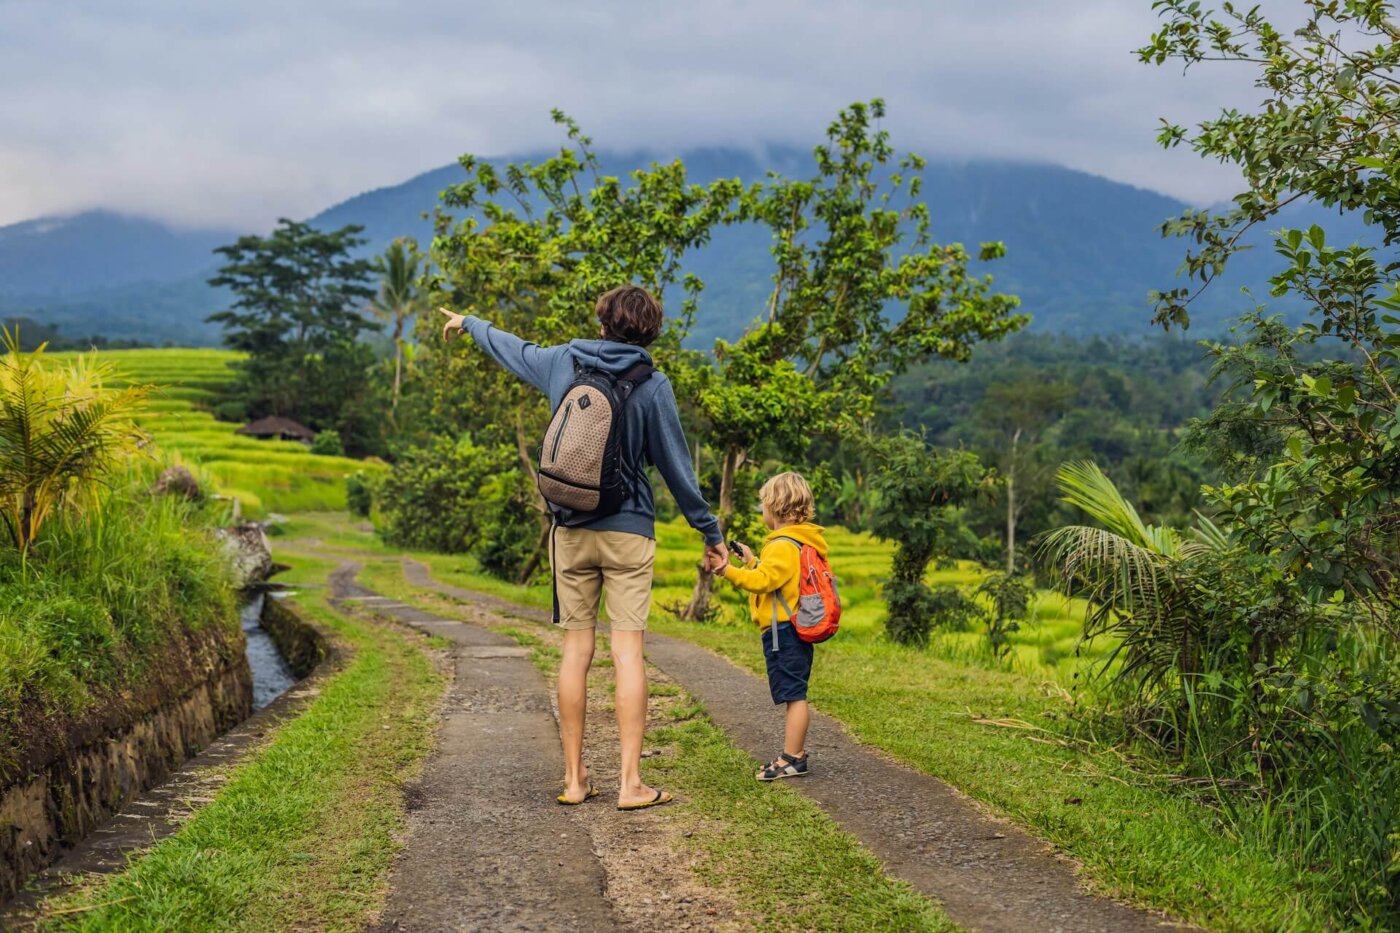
column 237, row 113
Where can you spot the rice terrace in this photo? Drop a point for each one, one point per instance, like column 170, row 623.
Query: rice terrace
column 799, row 516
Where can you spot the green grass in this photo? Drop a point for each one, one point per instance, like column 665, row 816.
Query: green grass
column 123, row 596
column 1135, row 834
column 779, row 853
column 266, row 476
column 302, row 835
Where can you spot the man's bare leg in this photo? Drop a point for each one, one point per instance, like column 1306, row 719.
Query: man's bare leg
column 573, row 701
column 629, row 667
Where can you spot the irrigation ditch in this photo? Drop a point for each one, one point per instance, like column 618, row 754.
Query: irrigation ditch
column 89, row 791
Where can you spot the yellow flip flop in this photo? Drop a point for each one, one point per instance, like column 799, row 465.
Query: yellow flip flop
column 660, row 798
column 592, row 792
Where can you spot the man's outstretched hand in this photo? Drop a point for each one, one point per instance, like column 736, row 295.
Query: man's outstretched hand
column 453, row 327
column 716, row 557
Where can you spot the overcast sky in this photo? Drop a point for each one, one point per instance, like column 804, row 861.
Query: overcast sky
column 232, row 114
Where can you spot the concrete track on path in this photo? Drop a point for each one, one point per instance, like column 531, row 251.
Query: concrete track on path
column 482, row 853
column 989, row 874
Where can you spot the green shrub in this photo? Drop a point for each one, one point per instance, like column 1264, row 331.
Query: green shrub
column 1010, row 598
column 327, row 444
column 359, row 493
column 232, row 410
column 920, row 493
column 510, row 530
column 432, row 498
column 102, row 592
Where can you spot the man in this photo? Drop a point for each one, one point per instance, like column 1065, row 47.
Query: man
column 592, row 553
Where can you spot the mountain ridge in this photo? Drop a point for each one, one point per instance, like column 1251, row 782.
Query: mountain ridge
column 1082, row 251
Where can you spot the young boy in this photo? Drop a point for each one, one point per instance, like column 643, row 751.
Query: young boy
column 788, row 509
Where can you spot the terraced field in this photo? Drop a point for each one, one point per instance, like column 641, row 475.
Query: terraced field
column 282, row 476
column 266, row 476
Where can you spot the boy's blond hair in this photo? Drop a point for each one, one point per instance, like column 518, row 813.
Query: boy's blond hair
column 789, row 498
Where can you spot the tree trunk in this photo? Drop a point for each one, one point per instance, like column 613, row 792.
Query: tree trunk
column 522, row 449
column 531, row 565
column 699, row 606
column 1011, row 505
column 398, row 359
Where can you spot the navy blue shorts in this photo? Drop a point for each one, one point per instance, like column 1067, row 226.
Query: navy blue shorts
column 791, row 667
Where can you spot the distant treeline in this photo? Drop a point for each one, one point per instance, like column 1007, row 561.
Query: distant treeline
column 33, row 334
column 1035, row 401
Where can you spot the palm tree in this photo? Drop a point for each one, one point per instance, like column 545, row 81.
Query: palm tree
column 399, row 297
column 61, row 429
column 1138, row 579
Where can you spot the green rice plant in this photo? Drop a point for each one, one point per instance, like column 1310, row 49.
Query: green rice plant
column 265, row 475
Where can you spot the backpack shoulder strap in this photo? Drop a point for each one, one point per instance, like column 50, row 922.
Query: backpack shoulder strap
column 638, row 374
column 789, row 540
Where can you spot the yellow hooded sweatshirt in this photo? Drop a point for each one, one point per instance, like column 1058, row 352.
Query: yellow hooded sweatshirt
column 777, row 566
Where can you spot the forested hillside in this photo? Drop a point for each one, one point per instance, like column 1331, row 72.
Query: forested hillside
column 1082, row 251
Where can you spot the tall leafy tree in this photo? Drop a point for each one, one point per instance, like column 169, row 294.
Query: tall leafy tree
column 530, row 246
column 299, row 295
column 1013, row 416
column 399, row 296
column 1315, row 434
column 861, row 291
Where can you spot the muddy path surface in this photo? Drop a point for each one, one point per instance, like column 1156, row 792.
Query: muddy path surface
column 989, row 875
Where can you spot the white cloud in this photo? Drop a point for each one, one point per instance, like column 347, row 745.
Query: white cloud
column 236, row 114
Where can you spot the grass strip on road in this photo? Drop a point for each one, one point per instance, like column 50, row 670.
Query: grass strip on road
column 302, row 835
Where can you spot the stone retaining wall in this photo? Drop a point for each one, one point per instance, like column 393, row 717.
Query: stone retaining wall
column 54, row 804
column 301, row 645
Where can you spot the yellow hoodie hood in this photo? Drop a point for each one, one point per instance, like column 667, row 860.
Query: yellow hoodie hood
column 806, row 532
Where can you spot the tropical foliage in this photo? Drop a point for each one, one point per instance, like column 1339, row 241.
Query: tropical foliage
column 299, row 299
column 62, row 431
column 1262, row 650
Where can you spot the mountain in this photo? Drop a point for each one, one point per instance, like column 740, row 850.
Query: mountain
column 111, row 274
column 1082, row 251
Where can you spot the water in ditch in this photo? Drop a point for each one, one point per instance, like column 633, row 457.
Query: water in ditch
column 271, row 675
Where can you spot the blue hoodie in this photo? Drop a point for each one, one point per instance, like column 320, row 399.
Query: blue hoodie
column 654, row 433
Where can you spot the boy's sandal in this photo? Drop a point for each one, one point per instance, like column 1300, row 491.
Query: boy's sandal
column 783, row 767
column 660, row 798
column 565, row 801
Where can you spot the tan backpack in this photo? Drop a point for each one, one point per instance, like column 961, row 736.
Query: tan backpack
column 581, row 459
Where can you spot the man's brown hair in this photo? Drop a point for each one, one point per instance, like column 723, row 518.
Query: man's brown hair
column 629, row 314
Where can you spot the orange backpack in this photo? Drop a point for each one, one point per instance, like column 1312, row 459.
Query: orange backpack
column 818, row 614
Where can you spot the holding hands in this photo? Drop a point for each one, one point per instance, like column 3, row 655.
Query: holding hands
column 716, row 558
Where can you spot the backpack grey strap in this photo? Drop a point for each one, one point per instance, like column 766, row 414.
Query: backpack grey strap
column 778, row 596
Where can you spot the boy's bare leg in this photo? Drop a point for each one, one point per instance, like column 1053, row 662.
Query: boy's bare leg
column 573, row 701
column 795, row 728
column 629, row 668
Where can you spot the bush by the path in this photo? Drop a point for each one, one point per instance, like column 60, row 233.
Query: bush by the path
column 457, row 498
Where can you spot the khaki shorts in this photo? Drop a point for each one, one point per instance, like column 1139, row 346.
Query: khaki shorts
column 588, row 564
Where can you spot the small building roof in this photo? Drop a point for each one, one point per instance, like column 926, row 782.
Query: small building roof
column 278, row 426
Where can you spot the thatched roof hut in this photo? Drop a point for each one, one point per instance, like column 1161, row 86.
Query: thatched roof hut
column 276, row 426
